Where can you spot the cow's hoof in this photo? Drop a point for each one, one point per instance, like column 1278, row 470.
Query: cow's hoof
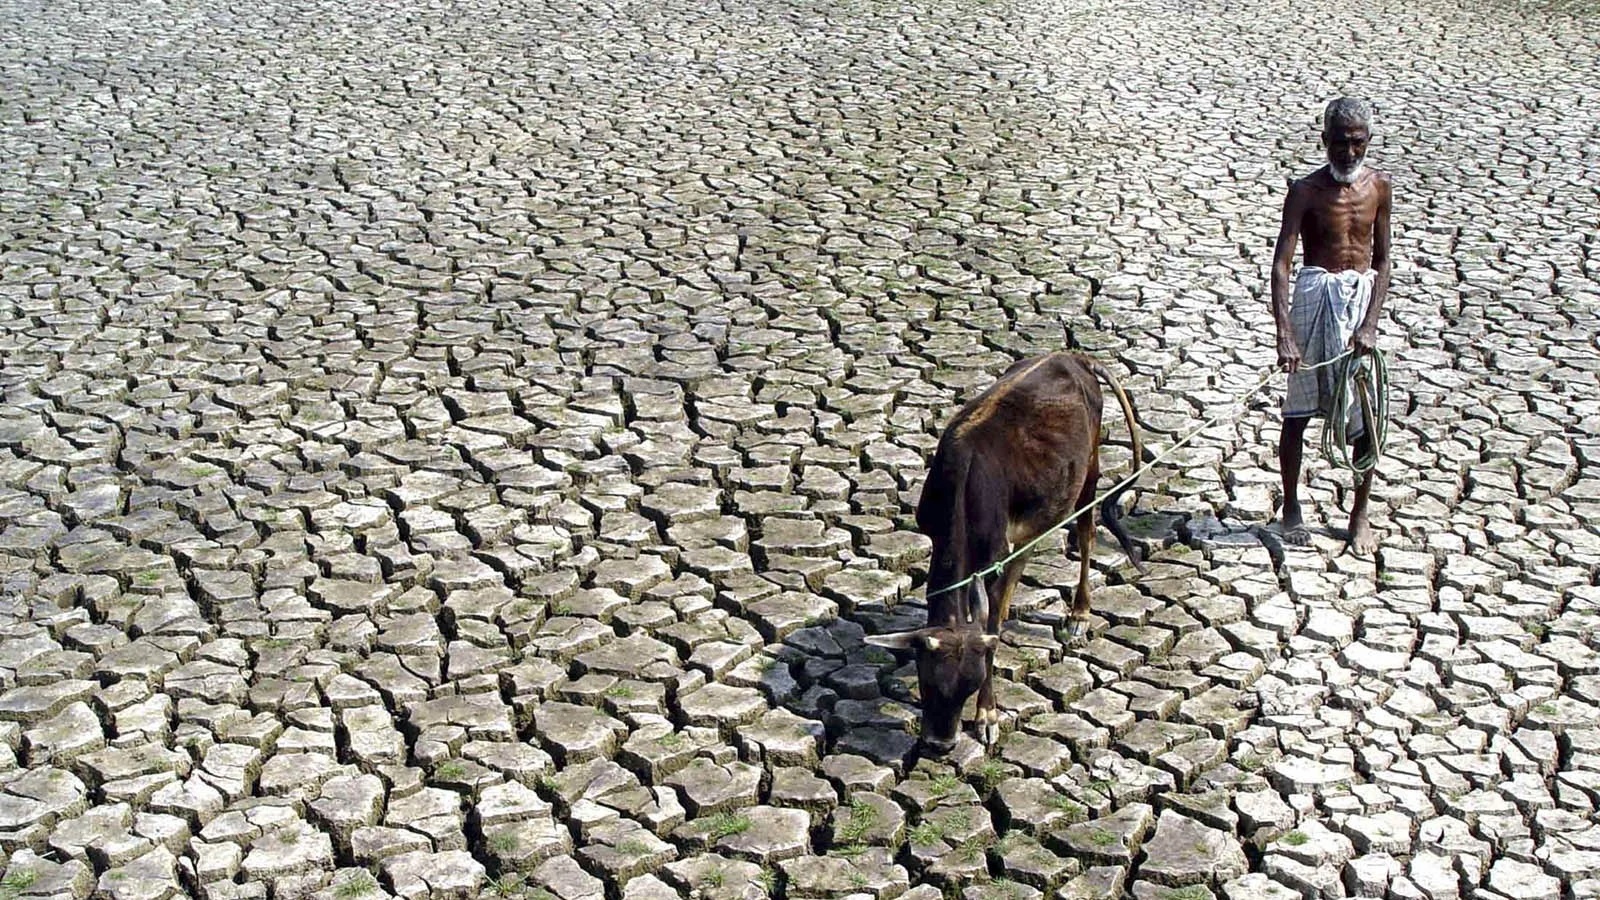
column 1076, row 629
column 988, row 722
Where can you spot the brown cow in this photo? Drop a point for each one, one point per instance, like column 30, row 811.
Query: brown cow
column 1012, row 463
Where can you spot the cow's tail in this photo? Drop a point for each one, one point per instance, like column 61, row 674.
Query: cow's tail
column 1110, row 510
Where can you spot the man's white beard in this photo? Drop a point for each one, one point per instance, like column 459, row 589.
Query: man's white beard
column 1346, row 176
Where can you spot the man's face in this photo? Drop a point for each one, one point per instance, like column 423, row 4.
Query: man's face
column 1347, row 151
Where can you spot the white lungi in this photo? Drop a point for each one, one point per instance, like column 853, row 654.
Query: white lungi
column 1326, row 310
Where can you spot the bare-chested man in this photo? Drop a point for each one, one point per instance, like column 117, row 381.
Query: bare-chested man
column 1342, row 212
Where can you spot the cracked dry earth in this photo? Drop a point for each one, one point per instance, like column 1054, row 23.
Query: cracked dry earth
column 459, row 452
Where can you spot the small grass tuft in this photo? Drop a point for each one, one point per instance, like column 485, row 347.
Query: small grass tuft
column 724, row 824
column 504, row 843
column 358, row 885
column 1072, row 809
column 944, row 784
column 621, row 690
column 714, row 878
column 990, row 772
column 926, row 834
column 863, row 816
column 449, row 771
column 973, row 848
column 1103, row 838
column 633, row 847
column 1295, row 838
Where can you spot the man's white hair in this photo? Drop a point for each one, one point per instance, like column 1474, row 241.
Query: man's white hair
column 1346, row 112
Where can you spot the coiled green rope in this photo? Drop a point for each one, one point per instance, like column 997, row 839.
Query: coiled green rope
column 1363, row 380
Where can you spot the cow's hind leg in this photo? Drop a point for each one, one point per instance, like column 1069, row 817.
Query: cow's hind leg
column 1078, row 622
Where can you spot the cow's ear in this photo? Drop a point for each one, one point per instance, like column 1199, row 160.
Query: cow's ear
column 904, row 640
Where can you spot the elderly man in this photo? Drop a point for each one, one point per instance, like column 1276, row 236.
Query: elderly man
column 1342, row 212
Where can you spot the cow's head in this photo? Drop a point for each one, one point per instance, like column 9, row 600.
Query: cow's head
column 953, row 659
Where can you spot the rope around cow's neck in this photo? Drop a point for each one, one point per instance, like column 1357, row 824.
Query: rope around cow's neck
column 1372, row 389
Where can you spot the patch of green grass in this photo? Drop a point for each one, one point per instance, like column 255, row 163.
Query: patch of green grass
column 563, row 609
column 849, row 851
column 972, row 849
column 926, row 835
column 18, row 880
column 507, row 885
column 944, row 784
column 1074, row 811
column 990, row 772
column 1005, row 887
column 858, row 880
column 879, row 656
column 1546, row 709
column 863, row 817
column 714, row 878
column 632, row 847
column 150, row 576
column 1537, row 629
column 1295, row 838
column 769, row 880
column 1103, row 838
column 724, row 824
column 672, row 740
column 1250, row 762
column 358, row 885
column 504, row 843
column 1103, row 785
column 621, row 690
column 449, row 771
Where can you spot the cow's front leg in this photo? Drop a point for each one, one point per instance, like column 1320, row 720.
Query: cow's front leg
column 987, row 716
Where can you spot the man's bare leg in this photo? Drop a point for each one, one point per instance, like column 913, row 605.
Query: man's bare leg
column 1290, row 444
column 1362, row 541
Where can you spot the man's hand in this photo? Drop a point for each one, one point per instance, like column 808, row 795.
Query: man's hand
column 1364, row 341
column 1288, row 355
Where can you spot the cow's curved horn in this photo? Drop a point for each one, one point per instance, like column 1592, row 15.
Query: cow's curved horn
column 905, row 640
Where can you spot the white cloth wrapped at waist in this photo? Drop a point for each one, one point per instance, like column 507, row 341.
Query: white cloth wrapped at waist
column 1326, row 310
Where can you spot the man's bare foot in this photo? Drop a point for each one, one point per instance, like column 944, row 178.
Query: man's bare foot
column 1295, row 533
column 1363, row 542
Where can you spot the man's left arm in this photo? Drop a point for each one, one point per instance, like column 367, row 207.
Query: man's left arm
column 1366, row 336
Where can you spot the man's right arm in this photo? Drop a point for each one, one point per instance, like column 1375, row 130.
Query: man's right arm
column 1282, row 263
